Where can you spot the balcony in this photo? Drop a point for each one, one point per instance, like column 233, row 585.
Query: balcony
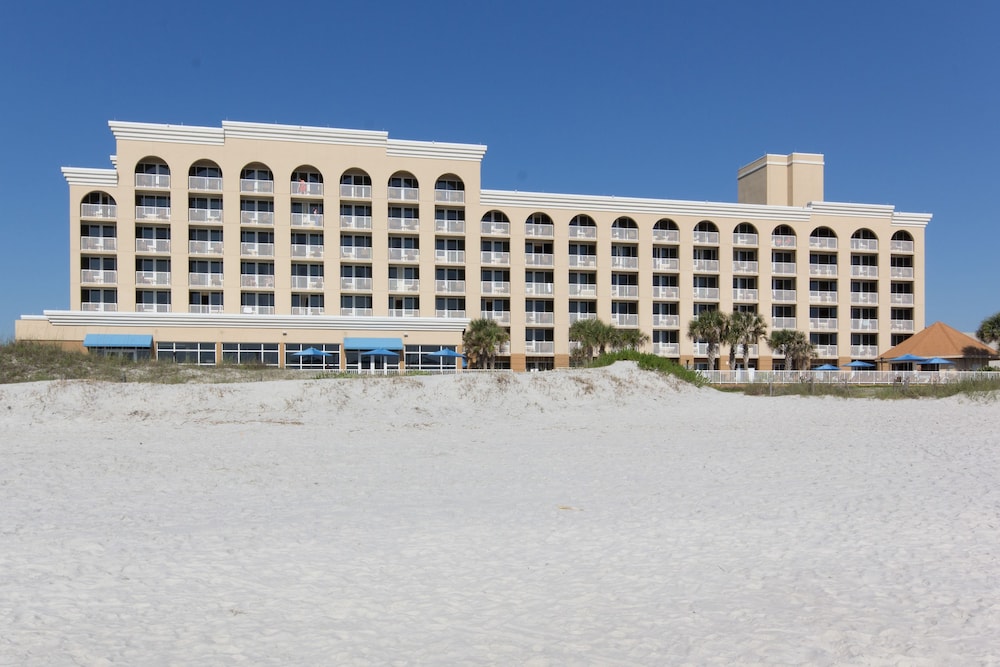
column 204, row 247
column 897, row 299
column 538, row 289
column 403, row 194
column 494, row 228
column 666, row 264
column 306, row 188
column 98, row 277
column 667, row 321
column 207, row 215
column 535, row 317
column 534, row 230
column 449, row 256
column 308, row 282
column 864, row 298
column 539, row 259
column 783, row 268
column 152, row 181
column 257, row 249
column 745, row 239
column 822, row 269
column 347, row 252
column 626, row 291
column 498, row 316
column 152, row 277
column 449, row 226
column 308, row 310
column 783, row 323
column 822, row 297
column 152, row 212
column 666, row 236
column 356, row 312
column 404, row 224
column 308, row 220
column 867, row 245
column 667, row 349
column 404, row 312
column 99, row 243
column 355, row 222
column 205, row 183
column 744, row 295
column 708, row 265
column 312, row 250
column 495, row 258
column 624, row 234
column 98, row 307
column 582, row 289
column 404, row 254
column 901, row 326
column 205, row 309
column 864, row 351
column 823, row 242
column 100, row 211
column 257, row 310
column 449, row 286
column 404, row 284
column 449, row 313
column 539, row 347
column 355, row 284
column 152, row 245
column 901, row 246
column 823, row 323
column 449, row 196
column 583, row 261
column 864, row 271
column 826, row 351
column 744, row 267
column 152, row 307
column 495, row 287
column 701, row 348
column 256, row 217
column 576, row 317
column 258, row 280
column 666, row 292
column 205, row 279
column 864, row 325
column 253, row 185
column 706, row 293
column 783, row 295
column 780, row 241
column 706, row 238
column 618, row 262
column 905, row 272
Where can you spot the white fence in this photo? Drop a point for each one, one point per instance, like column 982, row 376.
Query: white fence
column 846, row 376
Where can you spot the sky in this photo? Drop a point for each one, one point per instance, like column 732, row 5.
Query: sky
column 662, row 99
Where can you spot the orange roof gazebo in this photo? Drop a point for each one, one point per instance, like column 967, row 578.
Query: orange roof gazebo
column 941, row 340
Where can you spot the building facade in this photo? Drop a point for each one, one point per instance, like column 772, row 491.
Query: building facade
column 256, row 241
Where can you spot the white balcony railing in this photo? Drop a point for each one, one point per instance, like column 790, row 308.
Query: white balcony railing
column 710, row 265
column 152, row 245
column 582, row 289
column 449, row 226
column 744, row 294
column 449, row 196
column 152, row 307
column 710, row 238
column 96, row 306
column 864, row 325
column 710, row 293
column 864, row 298
column 152, row 181
column 403, row 194
column 823, row 242
column 668, row 321
column 102, row 211
column 258, row 280
column 315, row 250
column 251, row 185
column 782, row 241
column 901, row 246
column 744, row 267
column 666, row 236
column 870, row 245
column 449, row 313
column 152, row 212
column 744, row 239
column 783, row 295
column 583, row 261
column 308, row 310
column 864, row 271
column 495, row 287
column 627, row 291
column 404, row 284
column 495, row 258
column 355, row 284
column 257, row 249
column 534, row 230
column 901, row 272
column 355, row 222
column 404, row 254
column 538, row 289
column 624, row 234
column 823, row 323
column 204, row 247
column 534, row 317
column 667, row 349
column 489, row 228
column 901, row 299
column 539, row 347
column 822, row 269
column 618, row 262
column 862, row 351
column 152, row 277
column 700, row 348
column 99, row 243
column 351, row 252
column 783, row 323
column 450, row 286
column 905, row 326
column 306, row 188
column 666, row 264
column 210, row 215
column 98, row 277
column 783, row 268
column 404, row 312
column 310, row 220
column 666, row 292
column 257, row 310
column 308, row 282
column 257, row 217
column 576, row 317
column 826, row 351
column 450, row 256
column 582, row 232
column 356, row 312
column 205, row 183
column 816, row 296
column 205, row 279
column 404, row 224
column 539, row 259
column 498, row 316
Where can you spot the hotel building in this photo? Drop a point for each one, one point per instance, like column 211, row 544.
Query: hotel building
column 255, row 241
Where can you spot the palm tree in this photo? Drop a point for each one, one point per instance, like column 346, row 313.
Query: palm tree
column 630, row 339
column 989, row 329
column 794, row 345
column 745, row 329
column 710, row 327
column 482, row 340
column 589, row 334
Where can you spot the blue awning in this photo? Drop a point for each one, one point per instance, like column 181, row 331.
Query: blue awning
column 118, row 340
column 373, row 343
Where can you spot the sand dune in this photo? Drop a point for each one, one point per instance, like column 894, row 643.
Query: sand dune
column 585, row 517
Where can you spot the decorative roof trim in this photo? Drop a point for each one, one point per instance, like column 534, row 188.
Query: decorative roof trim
column 852, row 210
column 433, row 149
column 301, row 133
column 90, row 177
column 920, row 220
column 176, row 134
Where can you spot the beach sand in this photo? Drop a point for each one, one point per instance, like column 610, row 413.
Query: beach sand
column 593, row 517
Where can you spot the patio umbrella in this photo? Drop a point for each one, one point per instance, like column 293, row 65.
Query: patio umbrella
column 826, row 367
column 440, row 354
column 936, row 361
column 907, row 358
column 860, row 364
column 379, row 352
column 311, row 352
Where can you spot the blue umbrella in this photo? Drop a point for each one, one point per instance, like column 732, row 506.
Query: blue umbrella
column 936, row 361
column 908, row 358
column 311, row 352
column 379, row 352
column 860, row 364
column 446, row 353
column 826, row 367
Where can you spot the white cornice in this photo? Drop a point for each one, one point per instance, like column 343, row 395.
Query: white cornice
column 313, row 135
column 433, row 149
column 90, row 177
column 626, row 205
column 215, row 321
column 852, row 210
column 901, row 219
column 175, row 134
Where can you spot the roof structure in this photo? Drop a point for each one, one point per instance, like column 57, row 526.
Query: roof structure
column 941, row 340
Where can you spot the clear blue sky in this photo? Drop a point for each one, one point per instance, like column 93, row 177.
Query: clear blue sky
column 647, row 99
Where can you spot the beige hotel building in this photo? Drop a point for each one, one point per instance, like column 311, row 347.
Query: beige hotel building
column 251, row 242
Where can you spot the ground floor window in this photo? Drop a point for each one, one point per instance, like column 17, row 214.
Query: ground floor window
column 202, row 354
column 326, row 356
column 426, row 358
column 539, row 363
column 250, row 353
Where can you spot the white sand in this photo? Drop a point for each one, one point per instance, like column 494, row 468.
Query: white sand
column 583, row 518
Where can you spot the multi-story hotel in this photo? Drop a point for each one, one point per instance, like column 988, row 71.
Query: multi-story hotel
column 255, row 241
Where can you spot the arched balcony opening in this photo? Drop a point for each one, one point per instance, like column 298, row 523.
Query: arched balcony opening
column 495, row 223
column 864, row 240
column 449, row 189
column 152, row 173
column 582, row 227
column 902, row 241
column 539, row 225
column 205, row 176
column 307, row 181
column 745, row 234
column 257, row 178
column 706, row 233
column 783, row 236
column 403, row 186
column 823, row 238
column 666, row 231
column 624, row 229
column 98, row 204
column 355, row 184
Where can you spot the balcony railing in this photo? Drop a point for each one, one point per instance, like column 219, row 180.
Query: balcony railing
column 666, row 292
column 205, row 279
column 205, row 183
column 744, row 239
column 624, row 234
column 869, row 351
column 152, row 181
column 667, row 349
column 581, row 289
column 98, row 277
column 905, row 326
column 823, row 242
column 449, row 226
column 152, row 245
column 864, row 298
column 403, row 194
column 449, row 196
column 535, row 317
column 901, row 246
column 626, row 291
column 257, row 249
column 826, row 351
column 450, row 286
column 783, row 295
column 152, row 307
column 404, row 284
column 204, row 247
column 666, row 236
column 538, row 289
column 823, row 323
column 783, row 323
column 864, row 271
column 864, row 325
column 534, row 230
column 782, row 241
column 449, row 313
column 308, row 282
column 822, row 297
column 822, row 269
column 99, row 243
column 258, row 280
column 744, row 295
column 898, row 299
column 711, row 238
column 351, row 252
column 494, row 228
column 404, row 254
column 539, row 259
column 355, row 284
column 355, row 222
column 495, row 287
column 666, row 264
column 870, row 245
column 152, row 212
column 257, row 217
column 744, row 267
column 618, row 262
column 498, row 316
column 901, row 272
column 404, row 312
column 783, row 268
column 539, row 347
column 102, row 211
column 501, row 258
column 152, row 277
column 211, row 215
column 404, row 224
column 710, row 293
column 257, row 310
column 313, row 250
column 251, row 185
column 313, row 220
column 576, row 317
column 306, row 188
column 308, row 310
column 710, row 265
column 586, row 261
column 449, row 256
column 205, row 308
column 356, row 312
column 582, row 232
column 100, row 307
column 668, row 321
